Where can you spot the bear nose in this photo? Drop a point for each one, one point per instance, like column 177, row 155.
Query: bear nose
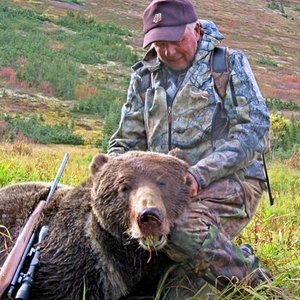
column 150, row 217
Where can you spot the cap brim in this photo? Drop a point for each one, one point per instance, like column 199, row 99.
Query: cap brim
column 168, row 34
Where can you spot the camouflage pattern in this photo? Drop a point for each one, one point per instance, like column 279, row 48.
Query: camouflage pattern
column 201, row 237
column 223, row 167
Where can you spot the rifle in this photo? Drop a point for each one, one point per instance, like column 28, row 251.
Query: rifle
column 12, row 266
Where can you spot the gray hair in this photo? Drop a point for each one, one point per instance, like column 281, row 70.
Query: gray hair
column 191, row 26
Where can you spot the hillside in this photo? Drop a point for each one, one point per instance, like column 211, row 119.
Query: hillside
column 270, row 38
column 249, row 25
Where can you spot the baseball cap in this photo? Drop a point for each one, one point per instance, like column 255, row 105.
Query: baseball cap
column 166, row 20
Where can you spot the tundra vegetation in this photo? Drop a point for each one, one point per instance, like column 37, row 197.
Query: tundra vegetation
column 68, row 85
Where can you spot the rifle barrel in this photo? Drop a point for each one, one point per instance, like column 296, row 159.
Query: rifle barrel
column 57, row 177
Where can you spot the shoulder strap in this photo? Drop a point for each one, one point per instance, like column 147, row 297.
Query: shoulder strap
column 219, row 60
column 221, row 75
column 220, row 70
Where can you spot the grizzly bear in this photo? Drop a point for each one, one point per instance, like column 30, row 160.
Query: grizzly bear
column 106, row 235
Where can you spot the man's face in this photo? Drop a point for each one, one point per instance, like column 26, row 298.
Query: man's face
column 179, row 56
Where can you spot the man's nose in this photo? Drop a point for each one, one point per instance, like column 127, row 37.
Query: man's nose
column 170, row 50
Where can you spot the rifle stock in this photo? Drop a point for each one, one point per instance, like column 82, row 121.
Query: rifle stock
column 12, row 261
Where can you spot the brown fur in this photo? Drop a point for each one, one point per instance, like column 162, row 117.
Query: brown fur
column 97, row 231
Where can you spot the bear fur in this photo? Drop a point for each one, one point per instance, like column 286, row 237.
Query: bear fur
column 102, row 233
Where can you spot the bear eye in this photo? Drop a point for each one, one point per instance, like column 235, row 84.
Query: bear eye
column 124, row 188
column 161, row 183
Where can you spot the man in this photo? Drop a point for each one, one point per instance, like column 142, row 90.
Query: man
column 172, row 103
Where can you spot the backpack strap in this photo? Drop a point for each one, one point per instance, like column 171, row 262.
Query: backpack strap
column 219, row 60
column 220, row 70
column 221, row 75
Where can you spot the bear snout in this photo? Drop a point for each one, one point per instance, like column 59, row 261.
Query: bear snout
column 150, row 220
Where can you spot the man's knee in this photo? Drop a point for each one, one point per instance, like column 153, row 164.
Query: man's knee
column 233, row 202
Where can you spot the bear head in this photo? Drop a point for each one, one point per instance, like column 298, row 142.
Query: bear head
column 139, row 195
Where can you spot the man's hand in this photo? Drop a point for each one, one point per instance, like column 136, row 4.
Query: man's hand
column 191, row 180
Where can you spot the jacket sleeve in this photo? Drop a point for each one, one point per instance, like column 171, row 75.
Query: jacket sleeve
column 248, row 132
column 131, row 133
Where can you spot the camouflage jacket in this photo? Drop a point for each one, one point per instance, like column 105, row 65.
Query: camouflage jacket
column 149, row 122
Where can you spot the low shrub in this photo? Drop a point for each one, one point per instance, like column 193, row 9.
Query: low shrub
column 285, row 136
column 44, row 134
column 100, row 104
column 277, row 104
column 27, row 57
column 266, row 60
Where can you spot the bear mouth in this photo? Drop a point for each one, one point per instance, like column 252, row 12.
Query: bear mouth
column 153, row 243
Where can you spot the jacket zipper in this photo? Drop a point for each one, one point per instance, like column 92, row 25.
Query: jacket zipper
column 170, row 127
column 169, row 108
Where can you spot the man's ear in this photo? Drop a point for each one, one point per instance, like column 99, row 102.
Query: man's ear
column 98, row 161
column 197, row 31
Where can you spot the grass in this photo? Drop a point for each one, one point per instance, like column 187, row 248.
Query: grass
column 72, row 1
column 37, row 132
column 277, row 104
column 274, row 231
column 47, row 54
column 266, row 60
column 21, row 162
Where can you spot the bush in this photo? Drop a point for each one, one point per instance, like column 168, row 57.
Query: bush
column 285, row 135
column 44, row 134
column 266, row 60
column 110, row 126
column 100, row 104
column 277, row 104
column 94, row 43
column 27, row 49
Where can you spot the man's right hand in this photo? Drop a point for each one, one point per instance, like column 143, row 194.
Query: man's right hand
column 194, row 184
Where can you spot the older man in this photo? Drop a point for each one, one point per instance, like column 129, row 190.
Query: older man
column 173, row 102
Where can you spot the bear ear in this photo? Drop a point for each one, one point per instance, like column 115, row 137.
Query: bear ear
column 98, row 161
column 176, row 152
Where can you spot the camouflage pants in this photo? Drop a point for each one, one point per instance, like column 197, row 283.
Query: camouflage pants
column 201, row 239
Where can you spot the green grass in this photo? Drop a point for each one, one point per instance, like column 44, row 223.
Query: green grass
column 72, row 1
column 107, row 105
column 273, row 6
column 277, row 104
column 274, row 232
column 53, row 57
column 29, row 162
column 266, row 60
column 37, row 132
column 93, row 43
column 276, row 50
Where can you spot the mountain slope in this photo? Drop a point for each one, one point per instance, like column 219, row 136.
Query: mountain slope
column 268, row 37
